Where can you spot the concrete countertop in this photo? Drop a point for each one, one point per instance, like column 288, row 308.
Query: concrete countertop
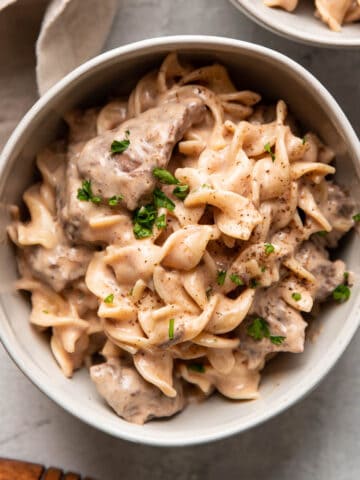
column 318, row 439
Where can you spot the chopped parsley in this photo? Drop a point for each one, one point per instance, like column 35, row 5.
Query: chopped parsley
column 322, row 233
column 268, row 149
column 236, row 279
column 145, row 217
column 296, row 296
column 269, row 248
column 221, row 275
column 160, row 221
column 119, row 146
column 141, row 232
column 171, row 328
column 259, row 329
column 164, row 176
column 196, row 367
column 276, row 339
column 346, row 277
column 46, row 311
column 254, row 283
column 341, row 293
column 263, row 269
column 161, row 200
column 356, row 217
column 304, row 140
column 181, row 191
column 85, row 193
column 113, row 201
column 143, row 220
column 109, row 298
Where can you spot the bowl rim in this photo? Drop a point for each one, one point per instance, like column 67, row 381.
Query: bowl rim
column 300, row 36
column 190, row 42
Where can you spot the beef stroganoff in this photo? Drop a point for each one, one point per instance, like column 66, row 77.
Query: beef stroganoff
column 332, row 12
column 176, row 237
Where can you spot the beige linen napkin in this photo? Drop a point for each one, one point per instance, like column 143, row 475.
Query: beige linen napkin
column 72, row 31
column 49, row 38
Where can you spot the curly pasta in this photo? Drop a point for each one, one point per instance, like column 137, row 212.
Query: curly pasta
column 332, row 12
column 175, row 235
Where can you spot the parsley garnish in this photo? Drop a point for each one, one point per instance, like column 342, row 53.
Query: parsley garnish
column 269, row 248
column 143, row 220
column 119, row 146
column 341, row 293
column 146, row 216
column 85, row 193
column 304, row 140
column 95, row 199
column 141, row 232
column 259, row 329
column 113, row 201
column 181, row 191
column 296, row 296
column 171, row 328
column 263, row 269
column 346, row 277
column 161, row 200
column 46, row 311
column 109, row 298
column 267, row 148
column 322, row 233
column 220, row 279
column 196, row 367
column 160, row 221
column 236, row 279
column 164, row 176
column 276, row 339
column 356, row 217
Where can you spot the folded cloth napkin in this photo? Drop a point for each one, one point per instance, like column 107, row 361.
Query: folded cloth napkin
column 72, row 31
column 49, row 37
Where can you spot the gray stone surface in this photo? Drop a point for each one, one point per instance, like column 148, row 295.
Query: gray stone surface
column 316, row 439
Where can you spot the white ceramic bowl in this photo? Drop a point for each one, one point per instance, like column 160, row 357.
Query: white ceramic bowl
column 289, row 377
column 300, row 25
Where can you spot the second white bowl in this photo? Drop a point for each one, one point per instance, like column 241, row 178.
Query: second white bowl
column 300, row 25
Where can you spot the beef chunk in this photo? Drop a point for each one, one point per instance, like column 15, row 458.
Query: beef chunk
column 131, row 396
column 153, row 135
column 58, row 266
column 328, row 274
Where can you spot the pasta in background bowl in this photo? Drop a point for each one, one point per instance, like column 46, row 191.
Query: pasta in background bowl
column 331, row 24
column 289, row 377
column 334, row 13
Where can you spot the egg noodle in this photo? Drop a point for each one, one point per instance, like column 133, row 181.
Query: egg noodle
column 177, row 237
column 332, row 12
